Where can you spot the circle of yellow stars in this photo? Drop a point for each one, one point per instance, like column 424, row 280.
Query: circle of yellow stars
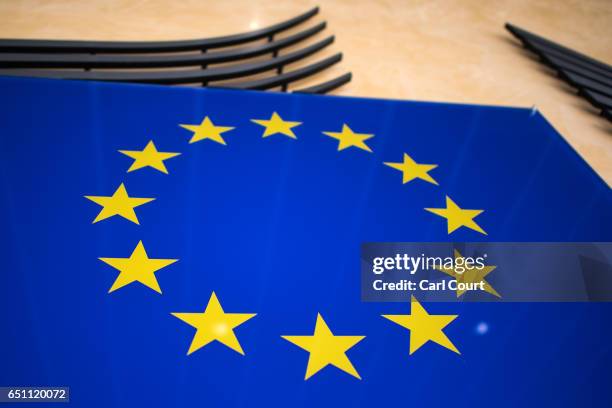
column 214, row 324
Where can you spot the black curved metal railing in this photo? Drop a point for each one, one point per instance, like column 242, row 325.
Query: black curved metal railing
column 131, row 47
column 327, row 86
column 179, row 76
column 592, row 78
column 24, row 60
column 146, row 62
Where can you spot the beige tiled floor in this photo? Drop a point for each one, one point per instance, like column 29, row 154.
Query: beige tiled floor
column 452, row 51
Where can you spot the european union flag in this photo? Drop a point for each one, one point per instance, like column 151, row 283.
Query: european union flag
column 198, row 247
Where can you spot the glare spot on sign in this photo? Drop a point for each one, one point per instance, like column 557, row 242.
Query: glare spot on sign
column 482, row 328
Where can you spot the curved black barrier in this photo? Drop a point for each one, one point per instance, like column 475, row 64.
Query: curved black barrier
column 541, row 43
column 55, row 46
column 111, row 60
column 597, row 99
column 178, row 77
column 327, row 86
column 564, row 65
column 592, row 78
column 578, row 81
column 23, row 60
column 551, row 55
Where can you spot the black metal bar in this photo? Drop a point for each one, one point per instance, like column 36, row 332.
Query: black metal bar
column 275, row 52
column 204, row 66
column 580, row 82
column 563, row 66
column 87, row 67
column 598, row 100
column 158, row 61
column 548, row 55
column 178, row 77
column 54, row 46
column 287, row 77
column 279, row 70
column 328, row 86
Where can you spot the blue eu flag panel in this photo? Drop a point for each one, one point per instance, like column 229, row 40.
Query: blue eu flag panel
column 201, row 248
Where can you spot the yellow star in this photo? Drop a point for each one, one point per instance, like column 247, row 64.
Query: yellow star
column 277, row 125
column 326, row 349
column 118, row 204
column 138, row 267
column 457, row 217
column 424, row 327
column 412, row 170
column 349, row 138
column 148, row 157
column 472, row 275
column 214, row 324
column 207, row 130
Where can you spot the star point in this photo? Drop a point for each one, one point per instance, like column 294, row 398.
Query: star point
column 472, row 275
column 207, row 130
column 347, row 138
column 276, row 125
column 412, row 170
column 120, row 203
column 149, row 157
column 214, row 324
column 457, row 217
column 325, row 349
column 424, row 327
column 137, row 268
